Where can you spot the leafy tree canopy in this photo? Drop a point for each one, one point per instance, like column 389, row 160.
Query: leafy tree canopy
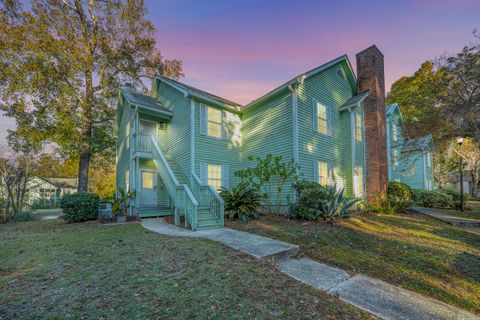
column 62, row 63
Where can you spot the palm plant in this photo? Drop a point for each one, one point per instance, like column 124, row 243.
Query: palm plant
column 335, row 204
column 241, row 202
column 122, row 201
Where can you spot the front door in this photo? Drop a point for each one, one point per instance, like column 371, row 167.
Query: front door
column 149, row 189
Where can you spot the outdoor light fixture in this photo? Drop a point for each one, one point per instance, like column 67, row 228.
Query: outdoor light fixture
column 460, row 143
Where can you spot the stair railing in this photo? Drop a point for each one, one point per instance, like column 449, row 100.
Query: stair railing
column 208, row 197
column 185, row 202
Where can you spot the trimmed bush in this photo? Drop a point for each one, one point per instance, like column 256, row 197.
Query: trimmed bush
column 241, row 202
column 432, row 199
column 399, row 196
column 80, row 206
column 310, row 193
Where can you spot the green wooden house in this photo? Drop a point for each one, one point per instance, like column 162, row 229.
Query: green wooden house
column 410, row 161
column 179, row 145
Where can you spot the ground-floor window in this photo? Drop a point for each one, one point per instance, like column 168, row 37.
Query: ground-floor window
column 358, row 184
column 127, row 181
column 322, row 173
column 215, row 175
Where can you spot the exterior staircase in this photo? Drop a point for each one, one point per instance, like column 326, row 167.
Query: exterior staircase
column 148, row 212
column 201, row 205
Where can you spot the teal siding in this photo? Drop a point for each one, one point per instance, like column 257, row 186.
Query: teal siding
column 335, row 149
column 218, row 151
column 123, row 148
column 268, row 129
column 177, row 132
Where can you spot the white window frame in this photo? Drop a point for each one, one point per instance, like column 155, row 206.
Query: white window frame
column 127, row 180
column 358, row 188
column 224, row 175
column 318, row 176
column 204, row 122
column 358, row 130
column 317, row 118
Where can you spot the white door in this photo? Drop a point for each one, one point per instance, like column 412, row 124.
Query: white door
column 149, row 189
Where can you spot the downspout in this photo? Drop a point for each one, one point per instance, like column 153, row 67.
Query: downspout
column 192, row 139
column 354, row 149
column 389, row 163
column 424, row 170
column 293, row 88
column 131, row 176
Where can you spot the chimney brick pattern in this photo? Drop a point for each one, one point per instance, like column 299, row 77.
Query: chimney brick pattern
column 371, row 77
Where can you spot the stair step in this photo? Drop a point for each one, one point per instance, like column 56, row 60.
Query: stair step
column 205, row 226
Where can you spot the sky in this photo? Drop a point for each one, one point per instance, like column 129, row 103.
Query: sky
column 242, row 49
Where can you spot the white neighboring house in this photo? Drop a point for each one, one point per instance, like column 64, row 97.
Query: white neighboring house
column 46, row 192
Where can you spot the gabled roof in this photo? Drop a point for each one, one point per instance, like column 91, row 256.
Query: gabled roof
column 189, row 90
column 62, row 182
column 354, row 101
column 419, row 143
column 300, row 78
column 141, row 100
column 392, row 109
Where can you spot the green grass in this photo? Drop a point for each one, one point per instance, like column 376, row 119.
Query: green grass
column 412, row 251
column 54, row 270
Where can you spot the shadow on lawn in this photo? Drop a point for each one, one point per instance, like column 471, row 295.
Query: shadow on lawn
column 468, row 265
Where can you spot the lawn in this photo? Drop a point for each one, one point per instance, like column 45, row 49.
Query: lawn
column 412, row 251
column 50, row 269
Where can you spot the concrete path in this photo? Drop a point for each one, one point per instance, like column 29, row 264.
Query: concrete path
column 377, row 297
column 256, row 246
column 47, row 214
column 445, row 217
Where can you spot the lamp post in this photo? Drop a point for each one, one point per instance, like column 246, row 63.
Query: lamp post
column 460, row 143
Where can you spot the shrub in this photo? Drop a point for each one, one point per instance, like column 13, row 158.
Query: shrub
column 382, row 205
column 22, row 217
column 399, row 196
column 316, row 201
column 432, row 199
column 121, row 203
column 310, row 193
column 336, row 205
column 241, row 202
column 80, row 206
column 455, row 195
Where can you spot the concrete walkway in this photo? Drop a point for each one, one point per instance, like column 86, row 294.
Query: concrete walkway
column 375, row 296
column 445, row 217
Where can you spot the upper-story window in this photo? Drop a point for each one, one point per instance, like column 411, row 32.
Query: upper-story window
column 127, row 135
column 340, row 73
column 321, row 118
column 358, row 126
column 429, row 159
column 213, row 122
column 395, row 133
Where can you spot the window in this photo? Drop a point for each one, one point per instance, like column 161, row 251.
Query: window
column 127, row 181
column 127, row 135
column 429, row 159
column 395, row 133
column 147, row 180
column 358, row 182
column 321, row 118
column 358, row 127
column 214, row 174
column 322, row 173
column 213, row 122
column 340, row 74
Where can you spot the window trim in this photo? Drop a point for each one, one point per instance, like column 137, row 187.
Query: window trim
column 316, row 117
column 204, row 122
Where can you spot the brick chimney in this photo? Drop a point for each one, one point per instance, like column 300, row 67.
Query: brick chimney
column 371, row 77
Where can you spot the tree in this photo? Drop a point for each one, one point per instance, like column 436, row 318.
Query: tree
column 419, row 97
column 16, row 172
column 471, row 159
column 461, row 106
column 61, row 66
